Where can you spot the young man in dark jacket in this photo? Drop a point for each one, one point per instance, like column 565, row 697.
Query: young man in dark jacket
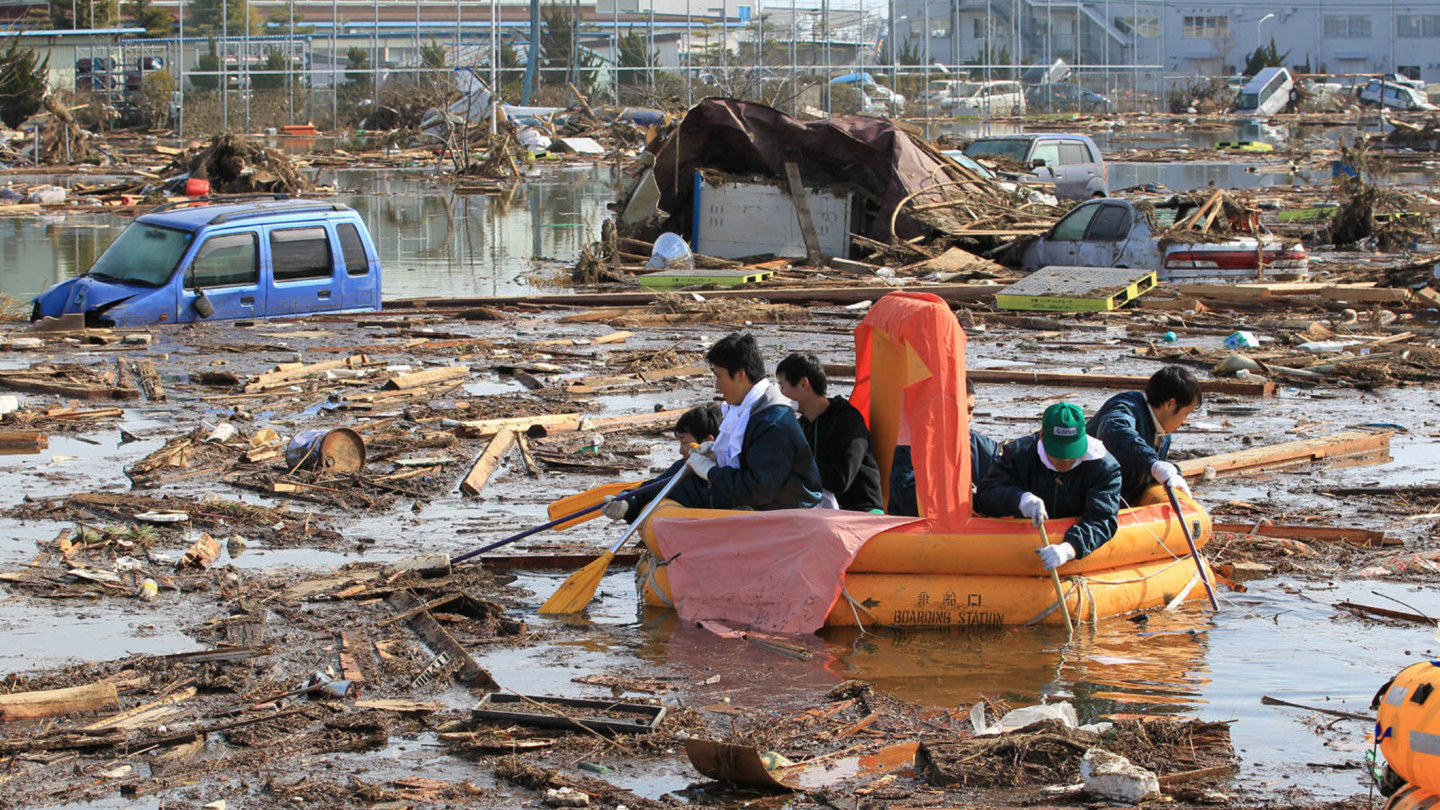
column 759, row 459
column 697, row 425
column 983, row 453
column 836, row 434
column 1057, row 473
column 1136, row 429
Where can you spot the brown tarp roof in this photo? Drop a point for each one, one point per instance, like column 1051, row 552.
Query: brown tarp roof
column 745, row 138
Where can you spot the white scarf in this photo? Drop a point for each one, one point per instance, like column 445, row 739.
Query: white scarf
column 734, row 420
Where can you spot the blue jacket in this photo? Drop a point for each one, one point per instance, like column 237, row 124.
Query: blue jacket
column 1125, row 425
column 776, row 468
column 1090, row 492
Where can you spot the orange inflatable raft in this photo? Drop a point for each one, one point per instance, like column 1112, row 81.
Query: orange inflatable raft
column 954, row 568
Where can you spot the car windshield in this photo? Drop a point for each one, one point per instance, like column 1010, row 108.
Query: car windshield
column 966, row 90
column 939, row 87
column 1013, row 148
column 1247, row 101
column 143, row 254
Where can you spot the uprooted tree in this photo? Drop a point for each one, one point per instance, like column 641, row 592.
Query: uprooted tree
column 22, row 82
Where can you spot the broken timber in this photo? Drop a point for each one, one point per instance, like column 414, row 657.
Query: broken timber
column 488, row 461
column 1257, row 388
column 440, row 640
column 824, row 295
column 54, row 702
column 1361, row 537
column 1354, row 447
column 294, row 373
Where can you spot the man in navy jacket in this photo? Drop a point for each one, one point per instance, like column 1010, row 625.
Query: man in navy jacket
column 1059, row 472
column 759, row 459
column 1136, row 429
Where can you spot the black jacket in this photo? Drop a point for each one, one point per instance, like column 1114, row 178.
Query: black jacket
column 1090, row 492
column 840, row 443
column 637, row 504
column 776, row 468
column 1125, row 425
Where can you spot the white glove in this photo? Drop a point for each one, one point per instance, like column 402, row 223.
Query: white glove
column 1168, row 474
column 700, row 464
column 615, row 509
column 1032, row 507
column 705, row 449
column 1053, row 557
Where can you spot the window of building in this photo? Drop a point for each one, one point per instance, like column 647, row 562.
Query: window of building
column 1138, row 26
column 300, row 253
column 979, row 28
column 1347, row 26
column 1206, row 27
column 1414, row 26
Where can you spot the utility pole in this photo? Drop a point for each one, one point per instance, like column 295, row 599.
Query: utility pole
column 532, row 58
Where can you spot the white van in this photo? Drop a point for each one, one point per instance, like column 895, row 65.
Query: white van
column 1266, row 94
column 986, row 99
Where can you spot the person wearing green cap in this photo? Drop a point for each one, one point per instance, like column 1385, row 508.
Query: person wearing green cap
column 1059, row 472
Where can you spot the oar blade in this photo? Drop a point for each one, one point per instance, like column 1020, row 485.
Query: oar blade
column 577, row 591
column 585, row 500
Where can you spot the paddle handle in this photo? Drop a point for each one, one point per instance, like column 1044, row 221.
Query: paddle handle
column 1059, row 591
column 1190, row 541
column 650, row 487
column 649, row 507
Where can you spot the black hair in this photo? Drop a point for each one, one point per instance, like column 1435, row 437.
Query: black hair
column 701, row 421
column 1173, row 382
column 806, row 365
column 737, row 352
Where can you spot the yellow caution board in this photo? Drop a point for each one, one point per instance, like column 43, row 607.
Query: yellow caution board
column 675, row 279
column 1076, row 289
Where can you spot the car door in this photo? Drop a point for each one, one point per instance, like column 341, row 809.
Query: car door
column 1062, row 245
column 1077, row 169
column 1105, row 236
column 302, row 271
column 226, row 269
column 361, row 282
column 1049, row 152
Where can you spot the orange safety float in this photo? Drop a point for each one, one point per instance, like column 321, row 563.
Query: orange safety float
column 1407, row 724
column 954, row 568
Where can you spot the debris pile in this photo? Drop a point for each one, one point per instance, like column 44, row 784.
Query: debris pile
column 234, row 165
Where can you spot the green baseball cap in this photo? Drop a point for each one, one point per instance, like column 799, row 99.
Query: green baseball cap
column 1062, row 431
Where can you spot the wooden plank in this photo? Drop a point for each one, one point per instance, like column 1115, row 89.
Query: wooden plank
column 56, row 702
column 1257, row 388
column 802, row 295
column 145, row 714
column 551, row 422
column 1363, row 537
column 299, row 372
column 23, row 439
column 801, row 198
column 1354, row 444
column 613, row 337
column 150, row 381
column 440, row 640
column 658, row 420
column 405, row 382
column 35, row 385
column 349, row 667
column 527, row 454
column 673, row 372
column 418, row 609
column 485, row 465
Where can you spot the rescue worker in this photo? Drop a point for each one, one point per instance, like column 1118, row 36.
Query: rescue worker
column 836, row 434
column 1059, row 472
column 759, row 459
column 983, row 453
column 699, row 424
column 1136, row 428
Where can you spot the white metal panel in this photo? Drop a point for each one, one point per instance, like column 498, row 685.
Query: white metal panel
column 747, row 219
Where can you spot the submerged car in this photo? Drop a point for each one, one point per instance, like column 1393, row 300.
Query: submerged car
column 1393, row 95
column 226, row 260
column 1063, row 97
column 1070, row 162
column 1114, row 233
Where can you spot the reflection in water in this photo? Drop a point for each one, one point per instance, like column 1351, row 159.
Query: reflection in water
column 1122, row 667
column 431, row 242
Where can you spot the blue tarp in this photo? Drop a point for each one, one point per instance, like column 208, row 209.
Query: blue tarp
column 854, row 78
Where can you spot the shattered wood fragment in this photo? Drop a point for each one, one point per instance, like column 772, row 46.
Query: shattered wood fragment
column 148, row 714
column 349, row 668
column 23, row 440
column 57, row 702
column 440, row 640
column 1361, row 537
column 488, row 461
column 480, row 428
column 285, row 376
column 201, row 553
column 150, row 381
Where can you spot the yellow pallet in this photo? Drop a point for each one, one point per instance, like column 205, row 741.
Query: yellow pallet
column 674, row 279
column 1076, row 289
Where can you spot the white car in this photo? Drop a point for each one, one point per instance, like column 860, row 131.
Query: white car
column 877, row 99
column 985, row 99
column 1383, row 93
column 1114, row 233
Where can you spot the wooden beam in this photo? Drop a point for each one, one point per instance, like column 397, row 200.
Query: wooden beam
column 827, row 295
column 1363, row 537
column 1373, row 448
column 55, row 702
column 549, row 421
column 289, row 375
column 801, row 200
column 479, row 474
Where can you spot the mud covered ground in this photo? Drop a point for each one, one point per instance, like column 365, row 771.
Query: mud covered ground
column 277, row 663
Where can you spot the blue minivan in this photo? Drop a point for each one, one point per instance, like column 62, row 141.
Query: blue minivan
column 226, row 259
